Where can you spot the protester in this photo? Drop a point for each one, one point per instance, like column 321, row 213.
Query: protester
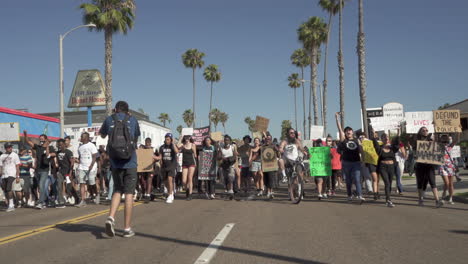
column 106, row 175
column 269, row 177
column 336, row 167
column 400, row 158
column 256, row 165
column 25, row 175
column 124, row 170
column 189, row 156
column 449, row 169
column 228, row 155
column 10, row 172
column 146, row 178
column 65, row 162
column 244, row 153
column 168, row 156
column 290, row 148
column 210, row 180
column 320, row 180
column 351, row 153
column 87, row 169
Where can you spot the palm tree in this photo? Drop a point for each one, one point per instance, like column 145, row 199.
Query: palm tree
column 179, row 129
column 192, row 58
column 223, row 118
column 211, row 75
column 285, row 125
column 250, row 123
column 110, row 16
column 361, row 51
column 332, row 7
column 163, row 118
column 341, row 63
column 294, row 83
column 215, row 116
column 312, row 34
column 188, row 117
column 301, row 59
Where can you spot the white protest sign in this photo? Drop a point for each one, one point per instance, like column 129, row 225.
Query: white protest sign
column 393, row 115
column 9, row 131
column 316, row 132
column 187, row 131
column 455, row 153
column 416, row 120
column 383, row 124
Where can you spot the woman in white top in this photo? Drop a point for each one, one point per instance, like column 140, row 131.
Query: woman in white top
column 228, row 156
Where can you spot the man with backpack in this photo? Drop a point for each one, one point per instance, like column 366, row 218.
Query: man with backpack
column 123, row 131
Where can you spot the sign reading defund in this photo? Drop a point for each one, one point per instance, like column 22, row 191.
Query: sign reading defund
column 430, row 152
column 447, row 121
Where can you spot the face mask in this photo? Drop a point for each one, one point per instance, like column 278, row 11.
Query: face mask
column 41, row 143
column 450, row 141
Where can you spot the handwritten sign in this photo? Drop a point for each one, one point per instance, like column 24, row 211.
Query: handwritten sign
column 416, row 120
column 261, row 124
column 447, row 121
column 187, row 131
column 144, row 160
column 216, row 136
column 430, row 152
column 199, row 134
column 455, row 152
column 320, row 161
column 316, row 132
column 370, row 155
column 207, row 166
column 269, row 161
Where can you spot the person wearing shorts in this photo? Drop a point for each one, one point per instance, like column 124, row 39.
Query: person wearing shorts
column 189, row 155
column 228, row 155
column 244, row 152
column 168, row 156
column 256, row 165
column 25, row 175
column 87, row 168
column 9, row 163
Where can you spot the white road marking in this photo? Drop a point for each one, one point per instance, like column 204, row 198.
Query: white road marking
column 210, row 251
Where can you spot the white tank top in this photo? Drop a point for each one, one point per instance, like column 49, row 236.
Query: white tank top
column 290, row 152
column 227, row 152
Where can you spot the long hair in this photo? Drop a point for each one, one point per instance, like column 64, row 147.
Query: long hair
column 187, row 138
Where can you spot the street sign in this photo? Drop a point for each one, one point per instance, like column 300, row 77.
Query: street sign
column 88, row 90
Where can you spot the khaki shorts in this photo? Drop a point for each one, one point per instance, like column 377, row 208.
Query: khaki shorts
column 17, row 186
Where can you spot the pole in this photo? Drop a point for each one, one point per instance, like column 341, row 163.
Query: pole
column 62, row 117
column 90, row 116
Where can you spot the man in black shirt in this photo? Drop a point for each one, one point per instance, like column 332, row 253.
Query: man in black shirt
column 65, row 162
column 168, row 155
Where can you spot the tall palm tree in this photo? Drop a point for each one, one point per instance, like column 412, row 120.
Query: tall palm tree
column 193, row 58
column 211, row 74
column 179, row 129
column 341, row 63
column 223, row 118
column 332, row 7
column 312, row 34
column 361, row 51
column 187, row 116
column 110, row 16
column 301, row 59
column 294, row 83
column 215, row 117
column 250, row 123
column 285, row 125
column 163, row 118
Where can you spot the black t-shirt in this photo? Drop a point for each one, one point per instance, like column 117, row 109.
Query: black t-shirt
column 64, row 161
column 168, row 157
column 349, row 150
column 41, row 157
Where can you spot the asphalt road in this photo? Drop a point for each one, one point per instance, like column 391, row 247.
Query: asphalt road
column 332, row 231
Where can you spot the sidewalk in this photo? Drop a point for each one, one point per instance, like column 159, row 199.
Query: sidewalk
column 409, row 185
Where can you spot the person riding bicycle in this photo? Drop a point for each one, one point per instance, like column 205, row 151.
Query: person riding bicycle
column 291, row 149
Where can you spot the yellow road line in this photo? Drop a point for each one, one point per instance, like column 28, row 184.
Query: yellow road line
column 33, row 232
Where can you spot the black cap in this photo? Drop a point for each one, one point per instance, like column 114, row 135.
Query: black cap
column 8, row 145
column 247, row 137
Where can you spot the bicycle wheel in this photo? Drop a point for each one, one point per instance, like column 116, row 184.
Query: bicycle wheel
column 296, row 188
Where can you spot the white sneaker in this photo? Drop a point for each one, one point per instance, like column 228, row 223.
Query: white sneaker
column 451, row 201
column 170, row 199
column 320, row 196
column 10, row 209
column 98, row 199
column 325, row 196
column 165, row 189
column 72, row 200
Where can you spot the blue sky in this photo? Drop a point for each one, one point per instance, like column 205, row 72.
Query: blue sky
column 416, row 55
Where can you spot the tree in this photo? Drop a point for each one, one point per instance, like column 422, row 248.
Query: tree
column 361, row 51
column 312, row 34
column 332, row 7
column 187, row 116
column 294, row 83
column 192, row 58
column 301, row 59
column 179, row 129
column 285, row 125
column 110, row 16
column 163, row 118
column 250, row 123
column 215, row 116
column 443, row 106
column 223, row 118
column 341, row 63
column 211, row 75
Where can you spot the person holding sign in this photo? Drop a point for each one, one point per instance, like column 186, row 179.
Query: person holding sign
column 228, row 156
column 269, row 177
column 351, row 153
column 208, row 167
column 449, row 169
column 425, row 173
column 255, row 161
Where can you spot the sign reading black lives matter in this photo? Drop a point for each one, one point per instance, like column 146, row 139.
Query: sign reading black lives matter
column 88, row 90
column 199, row 134
column 430, row 152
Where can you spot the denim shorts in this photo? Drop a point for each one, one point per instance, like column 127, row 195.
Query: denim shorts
column 256, row 166
column 85, row 177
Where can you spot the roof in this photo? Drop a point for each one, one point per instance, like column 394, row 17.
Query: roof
column 30, row 115
column 462, row 106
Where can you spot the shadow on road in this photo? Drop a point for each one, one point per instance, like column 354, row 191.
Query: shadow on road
column 97, row 231
column 463, row 232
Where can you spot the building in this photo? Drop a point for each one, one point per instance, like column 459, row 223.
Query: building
column 77, row 121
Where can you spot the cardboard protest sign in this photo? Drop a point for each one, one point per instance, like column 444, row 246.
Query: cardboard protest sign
column 199, row 134
column 261, row 124
column 9, row 131
column 370, row 155
column 416, row 120
column 269, row 161
column 320, row 161
column 216, row 136
column 144, row 160
column 447, row 121
column 257, row 135
column 455, row 152
column 430, row 152
column 207, row 166
column 316, row 132
column 187, row 131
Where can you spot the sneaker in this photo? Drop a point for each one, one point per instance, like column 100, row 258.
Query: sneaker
column 212, row 196
column 350, row 198
column 451, row 201
column 72, row 200
column 19, row 204
column 128, row 233
column 260, row 193
column 361, row 199
column 147, row 198
column 60, row 206
column 284, row 180
column 10, row 209
column 439, row 203
column 170, row 199
column 390, row 204
column 320, row 196
column 207, row 196
column 232, row 192
column 325, row 196
column 189, row 197
column 40, row 206
column 98, row 199
column 110, row 226
column 81, row 204
column 421, row 202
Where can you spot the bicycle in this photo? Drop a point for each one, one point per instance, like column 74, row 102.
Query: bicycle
column 295, row 182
